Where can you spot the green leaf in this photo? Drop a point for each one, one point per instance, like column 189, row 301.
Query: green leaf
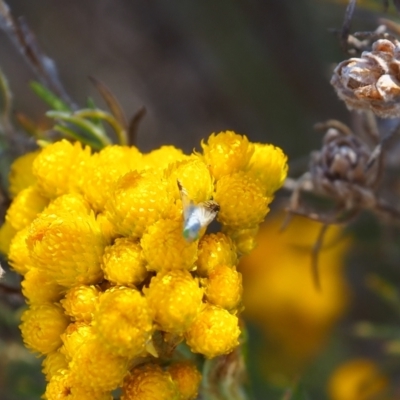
column 107, row 117
column 70, row 133
column 111, row 101
column 49, row 97
column 80, row 129
column 91, row 105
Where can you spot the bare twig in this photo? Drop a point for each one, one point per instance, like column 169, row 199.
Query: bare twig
column 111, row 101
column 134, row 125
column 390, row 25
column 9, row 290
column 25, row 41
column 348, row 16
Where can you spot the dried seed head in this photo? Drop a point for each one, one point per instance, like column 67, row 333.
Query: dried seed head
column 371, row 82
column 342, row 159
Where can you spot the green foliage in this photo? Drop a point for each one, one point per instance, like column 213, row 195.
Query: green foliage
column 49, row 97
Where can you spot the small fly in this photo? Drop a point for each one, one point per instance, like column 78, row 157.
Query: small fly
column 196, row 216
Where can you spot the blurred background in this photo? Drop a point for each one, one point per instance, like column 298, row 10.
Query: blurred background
column 260, row 68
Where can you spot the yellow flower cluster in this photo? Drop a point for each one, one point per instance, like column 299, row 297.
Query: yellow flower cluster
column 107, row 270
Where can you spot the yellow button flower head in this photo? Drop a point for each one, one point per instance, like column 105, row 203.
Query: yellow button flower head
column 80, row 302
column 215, row 249
column 174, row 299
column 68, row 247
column 62, row 386
column 149, row 382
column 123, row 321
column 187, row 377
column 244, row 239
column 74, row 337
column 38, row 288
column 105, row 168
column 71, row 203
column 59, row 168
column 165, row 248
column 224, row 287
column 53, row 363
column 226, row 153
column 214, row 332
column 18, row 254
column 194, row 175
column 25, row 207
column 42, row 326
column 96, row 367
column 138, row 200
column 21, row 175
column 123, row 263
column 242, row 201
column 160, row 158
column 7, row 232
column 107, row 228
column 268, row 164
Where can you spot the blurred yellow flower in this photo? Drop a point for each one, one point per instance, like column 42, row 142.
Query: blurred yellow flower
column 21, row 175
column 358, row 379
column 280, row 295
column 7, row 232
column 52, row 363
column 26, row 206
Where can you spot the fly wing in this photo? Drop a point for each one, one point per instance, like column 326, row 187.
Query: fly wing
column 202, row 213
column 208, row 210
column 187, row 204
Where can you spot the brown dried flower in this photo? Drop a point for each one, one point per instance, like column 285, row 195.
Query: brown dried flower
column 342, row 166
column 371, row 82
